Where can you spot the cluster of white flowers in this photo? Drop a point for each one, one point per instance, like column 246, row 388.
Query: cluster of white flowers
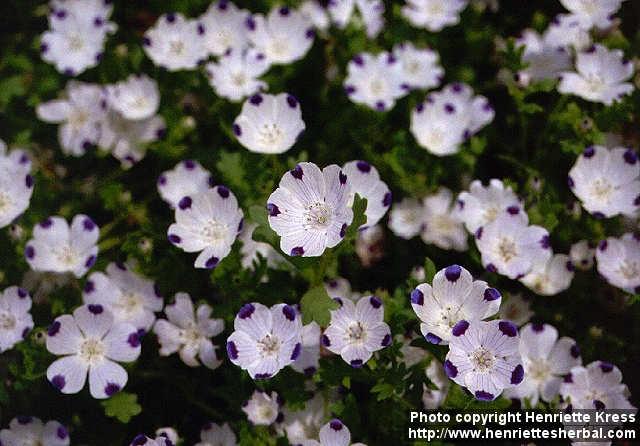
column 77, row 33
column 120, row 118
column 433, row 15
column 24, row 430
column 378, row 80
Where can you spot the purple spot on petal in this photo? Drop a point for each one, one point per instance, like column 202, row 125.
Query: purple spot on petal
column 296, row 352
column 432, row 338
column 545, row 242
column 292, row 101
column 375, row 302
column 450, row 369
column 589, row 152
column 62, row 433
column 386, row 341
column 417, row 297
column 537, row 327
column 513, row 210
column 491, row 294
column 256, row 99
column 297, row 172
column 336, row 425
column 211, row 262
column 568, row 378
column 386, row 201
column 460, row 328
column 88, row 224
column 630, row 156
column 223, row 191
column 599, row 405
column 232, row 351
column 363, row 166
column 95, row 308
column 133, row 340
column 484, row 396
column 175, row 239
column 606, row 367
column 517, row 375
column 602, row 246
column 508, row 328
column 246, row 311
column 58, row 382
column 356, row 363
column 452, row 273
column 575, row 351
column 111, row 389
column 478, row 233
column 251, row 24
column 380, row 106
column 171, row 17
column 358, row 60
column 185, row 203
column 325, row 340
column 284, row 11
column 297, row 251
column 29, row 252
column 273, row 210
column 449, row 108
column 54, row 328
column 289, row 312
column 570, row 182
column 342, row 177
column 237, row 130
column 28, row 181
column 91, row 260
column 343, row 230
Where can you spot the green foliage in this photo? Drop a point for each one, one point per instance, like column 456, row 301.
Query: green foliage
column 315, row 305
column 122, row 406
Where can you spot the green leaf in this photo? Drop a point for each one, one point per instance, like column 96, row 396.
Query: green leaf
column 316, row 305
column 122, row 406
column 429, row 270
column 359, row 207
column 384, row 390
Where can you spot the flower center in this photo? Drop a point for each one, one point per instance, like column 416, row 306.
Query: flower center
column 356, row 332
column 191, row 335
column 412, row 66
column 449, row 316
column 67, row 256
column 490, row 214
column 269, row 134
column 239, row 79
column 75, row 42
column 317, row 216
column 214, row 231
column 601, row 189
column 377, row 87
column 176, row 47
column 266, row 412
column 7, row 321
column 507, row 249
column 78, row 118
column 5, row 201
column 595, row 82
column 129, row 302
column 92, row 350
column 278, row 48
column 435, row 8
column 629, row 269
column 269, row 345
column 482, row 359
column 539, row 369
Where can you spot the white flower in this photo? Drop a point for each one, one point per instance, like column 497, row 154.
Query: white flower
column 357, row 330
column 185, row 179
column 365, row 181
column 618, row 261
column 433, row 15
column 482, row 204
column 582, row 254
column 263, row 408
column 130, row 297
column 453, row 296
column 283, row 36
column 213, row 434
column 441, row 225
column 334, row 433
column 516, row 309
column 315, row 13
column 80, row 116
column 269, row 123
column 307, row 362
column 546, row 360
column 565, row 31
column 127, row 139
column 56, row 247
column 371, row 14
column 235, row 75
column 448, row 117
column 15, row 319
column 509, row 246
column 16, row 184
column 420, row 66
column 340, row 287
column 607, row 181
column 543, row 61
column 592, row 13
column 484, row 357
column 189, row 332
column 596, row 386
column 208, row 223
column 374, row 80
column 433, row 398
column 370, row 245
column 32, row 431
column 76, row 35
column 550, row 277
column 601, row 75
column 143, row 440
column 406, row 218
column 92, row 344
column 169, row 433
column 265, row 339
column 309, row 210
column 302, row 425
column 175, row 43
column 251, row 250
column 135, row 98
column 224, row 25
